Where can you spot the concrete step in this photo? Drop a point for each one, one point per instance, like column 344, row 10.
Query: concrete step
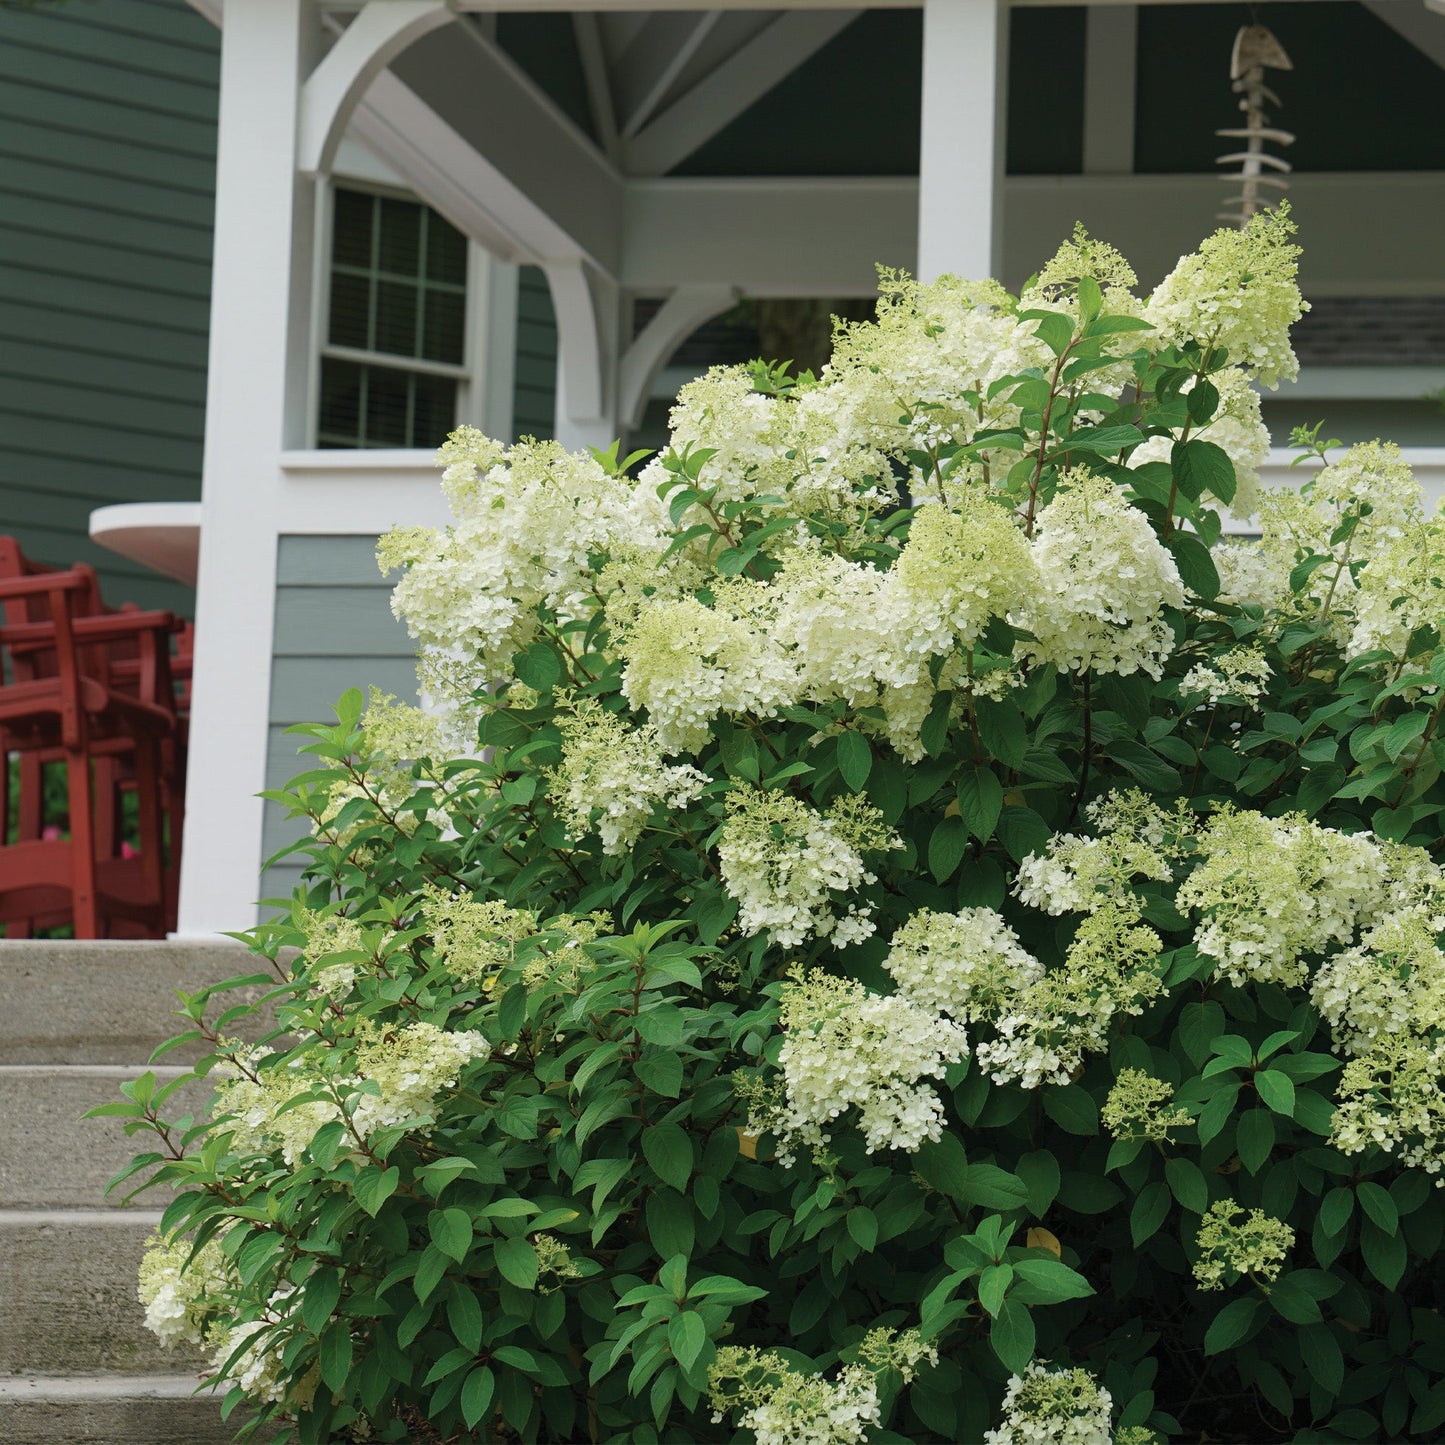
column 107, row 1001
column 52, row 1158
column 68, row 1286
column 111, row 1410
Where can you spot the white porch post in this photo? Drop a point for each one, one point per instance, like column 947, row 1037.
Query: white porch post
column 960, row 166
column 254, row 409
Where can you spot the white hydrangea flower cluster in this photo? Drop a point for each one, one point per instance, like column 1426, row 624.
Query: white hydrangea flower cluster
column 1273, row 890
column 685, row 663
column 1134, row 838
column 1381, row 580
column 1256, row 1245
column 1249, row 576
column 528, row 518
column 1138, row 1108
column 613, row 773
column 783, row 861
column 1103, row 581
column 328, row 934
column 846, row 1048
column 1239, row 292
column 1239, row 675
column 824, row 628
column 968, row 964
column 1393, row 1098
column 1110, row 968
column 401, row 1072
column 783, row 1406
column 1391, row 983
column 930, row 344
column 260, row 1367
column 475, row 937
column 181, row 1291
column 1046, row 1406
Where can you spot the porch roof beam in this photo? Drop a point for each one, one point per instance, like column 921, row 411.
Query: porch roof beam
column 808, row 236
column 651, row 64
column 746, row 76
column 562, row 197
column 1416, row 23
column 447, row 172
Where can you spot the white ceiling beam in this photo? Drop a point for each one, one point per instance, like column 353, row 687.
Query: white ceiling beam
column 1111, row 46
column 593, row 55
column 447, row 172
column 746, row 76
column 364, row 49
column 647, row 70
column 1416, row 23
column 517, row 132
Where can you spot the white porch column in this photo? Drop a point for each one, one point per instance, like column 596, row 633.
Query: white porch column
column 259, row 344
column 961, row 156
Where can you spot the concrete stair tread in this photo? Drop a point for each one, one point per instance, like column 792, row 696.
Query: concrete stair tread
column 68, row 1279
column 77, row 1364
column 51, row 1156
column 111, row 1410
column 107, row 1000
column 97, row 1387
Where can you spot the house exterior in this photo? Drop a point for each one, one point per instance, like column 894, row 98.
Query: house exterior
column 438, row 210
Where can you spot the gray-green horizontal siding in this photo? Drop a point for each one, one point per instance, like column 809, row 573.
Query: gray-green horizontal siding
column 107, row 177
column 334, row 630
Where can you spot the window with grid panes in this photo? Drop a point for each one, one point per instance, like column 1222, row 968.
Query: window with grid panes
column 394, row 353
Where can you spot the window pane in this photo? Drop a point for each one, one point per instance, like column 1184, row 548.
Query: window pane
column 446, row 251
column 351, row 228
column 434, row 410
column 444, row 325
column 386, row 407
column 350, row 296
column 400, row 237
column 339, row 424
column 395, row 318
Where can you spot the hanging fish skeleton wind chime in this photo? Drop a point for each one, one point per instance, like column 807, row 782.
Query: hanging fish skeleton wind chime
column 1255, row 51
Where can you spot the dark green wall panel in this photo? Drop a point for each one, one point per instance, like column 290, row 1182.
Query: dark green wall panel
column 107, row 157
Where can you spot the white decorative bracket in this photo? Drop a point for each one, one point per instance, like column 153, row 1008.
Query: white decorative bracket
column 581, row 342
column 679, row 316
column 381, row 30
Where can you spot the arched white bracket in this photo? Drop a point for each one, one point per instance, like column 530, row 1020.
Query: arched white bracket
column 381, row 30
column 583, row 351
column 679, row 316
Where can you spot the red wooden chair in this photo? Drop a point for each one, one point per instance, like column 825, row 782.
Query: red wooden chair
column 78, row 688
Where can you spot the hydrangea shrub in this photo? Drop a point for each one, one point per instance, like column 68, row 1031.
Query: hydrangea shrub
column 897, row 927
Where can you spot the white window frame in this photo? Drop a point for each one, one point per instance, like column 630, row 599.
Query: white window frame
column 465, row 373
